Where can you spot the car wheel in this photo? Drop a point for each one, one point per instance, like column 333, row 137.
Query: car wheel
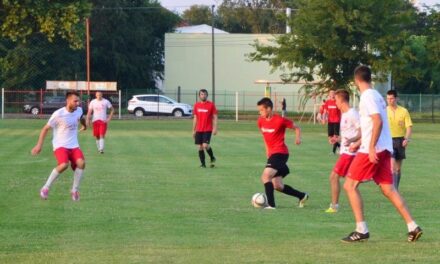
column 178, row 113
column 138, row 112
column 35, row 110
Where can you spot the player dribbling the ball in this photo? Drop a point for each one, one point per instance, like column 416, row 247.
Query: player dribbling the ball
column 273, row 128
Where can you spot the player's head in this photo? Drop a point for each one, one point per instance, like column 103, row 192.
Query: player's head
column 342, row 97
column 72, row 100
column 203, row 95
column 265, row 107
column 331, row 95
column 362, row 74
column 392, row 98
column 98, row 95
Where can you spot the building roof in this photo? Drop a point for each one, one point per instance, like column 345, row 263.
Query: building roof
column 200, row 29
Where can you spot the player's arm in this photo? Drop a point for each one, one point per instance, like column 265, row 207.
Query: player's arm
column 408, row 133
column 37, row 149
column 297, row 134
column 89, row 114
column 214, row 124
column 110, row 116
column 375, row 133
column 194, row 125
column 82, row 121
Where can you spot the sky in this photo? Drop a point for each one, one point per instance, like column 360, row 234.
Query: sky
column 180, row 5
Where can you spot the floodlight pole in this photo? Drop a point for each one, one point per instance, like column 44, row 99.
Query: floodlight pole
column 213, row 54
column 88, row 56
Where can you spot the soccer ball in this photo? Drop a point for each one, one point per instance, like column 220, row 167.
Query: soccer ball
column 259, row 200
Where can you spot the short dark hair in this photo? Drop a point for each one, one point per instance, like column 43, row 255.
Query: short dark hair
column 392, row 92
column 203, row 91
column 363, row 73
column 344, row 94
column 70, row 93
column 266, row 102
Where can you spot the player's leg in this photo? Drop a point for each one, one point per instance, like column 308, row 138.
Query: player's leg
column 78, row 165
column 96, row 134
column 198, row 140
column 335, row 190
column 102, row 131
column 266, row 179
column 395, row 168
column 208, row 148
column 354, row 197
column 62, row 157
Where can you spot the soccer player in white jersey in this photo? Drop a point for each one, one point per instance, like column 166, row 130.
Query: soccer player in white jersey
column 350, row 135
column 98, row 107
column 373, row 160
column 64, row 123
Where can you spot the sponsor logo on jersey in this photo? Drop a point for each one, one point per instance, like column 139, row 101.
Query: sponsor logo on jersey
column 267, row 130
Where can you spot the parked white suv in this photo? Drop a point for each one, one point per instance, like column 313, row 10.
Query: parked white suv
column 143, row 104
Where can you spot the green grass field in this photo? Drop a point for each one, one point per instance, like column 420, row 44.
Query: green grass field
column 146, row 201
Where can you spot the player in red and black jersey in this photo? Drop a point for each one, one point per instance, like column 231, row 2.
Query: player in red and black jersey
column 273, row 128
column 204, row 125
column 332, row 114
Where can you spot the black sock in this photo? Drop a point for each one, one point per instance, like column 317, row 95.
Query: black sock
column 335, row 146
column 210, row 153
column 268, row 187
column 290, row 191
column 202, row 157
column 398, row 180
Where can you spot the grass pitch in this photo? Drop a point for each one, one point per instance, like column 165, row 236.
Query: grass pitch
column 146, row 201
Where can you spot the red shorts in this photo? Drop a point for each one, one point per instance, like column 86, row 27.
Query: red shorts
column 99, row 128
column 64, row 155
column 362, row 169
column 343, row 163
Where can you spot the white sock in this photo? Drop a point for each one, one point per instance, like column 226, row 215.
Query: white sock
column 77, row 179
column 412, row 226
column 101, row 144
column 97, row 144
column 361, row 227
column 334, row 206
column 52, row 177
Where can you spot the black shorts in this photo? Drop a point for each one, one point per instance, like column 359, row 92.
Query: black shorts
column 202, row 138
column 333, row 129
column 398, row 149
column 278, row 162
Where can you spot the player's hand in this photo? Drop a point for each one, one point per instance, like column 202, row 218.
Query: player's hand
column 298, row 141
column 194, row 134
column 107, row 120
column 214, row 131
column 83, row 128
column 373, row 156
column 353, row 147
column 36, row 150
column 405, row 143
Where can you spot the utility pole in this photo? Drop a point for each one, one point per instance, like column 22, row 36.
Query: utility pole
column 213, row 54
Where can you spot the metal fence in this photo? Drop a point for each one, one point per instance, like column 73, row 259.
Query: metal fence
column 232, row 105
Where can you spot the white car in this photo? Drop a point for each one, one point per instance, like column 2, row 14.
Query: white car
column 143, row 104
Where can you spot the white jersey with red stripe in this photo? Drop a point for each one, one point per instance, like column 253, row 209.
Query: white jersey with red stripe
column 65, row 128
column 350, row 126
column 373, row 103
column 99, row 108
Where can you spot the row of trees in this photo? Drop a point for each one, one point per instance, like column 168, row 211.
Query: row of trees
column 45, row 40
column 330, row 38
column 42, row 40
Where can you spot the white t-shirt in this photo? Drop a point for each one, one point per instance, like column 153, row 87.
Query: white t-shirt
column 99, row 108
column 65, row 128
column 350, row 125
column 373, row 103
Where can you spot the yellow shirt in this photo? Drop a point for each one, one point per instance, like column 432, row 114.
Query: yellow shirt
column 399, row 120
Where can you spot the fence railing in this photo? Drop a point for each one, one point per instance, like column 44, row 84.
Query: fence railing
column 232, row 105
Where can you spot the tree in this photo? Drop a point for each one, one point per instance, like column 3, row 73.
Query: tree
column 330, row 38
column 127, row 41
column 197, row 15
column 22, row 19
column 252, row 16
